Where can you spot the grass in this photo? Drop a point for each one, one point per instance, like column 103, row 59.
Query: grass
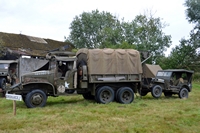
column 73, row 114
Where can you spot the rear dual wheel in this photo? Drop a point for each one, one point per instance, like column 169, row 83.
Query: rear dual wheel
column 124, row 95
column 104, row 94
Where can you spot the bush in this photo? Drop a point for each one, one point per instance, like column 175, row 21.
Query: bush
column 196, row 77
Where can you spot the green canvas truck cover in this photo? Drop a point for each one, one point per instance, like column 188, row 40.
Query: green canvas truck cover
column 112, row 61
column 150, row 71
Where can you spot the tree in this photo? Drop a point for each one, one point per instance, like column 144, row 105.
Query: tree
column 193, row 43
column 103, row 30
column 186, row 54
column 149, row 35
column 193, row 10
column 193, row 16
column 182, row 56
column 91, row 30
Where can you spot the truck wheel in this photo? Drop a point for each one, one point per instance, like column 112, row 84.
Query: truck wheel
column 70, row 91
column 3, row 83
column 116, row 95
column 183, row 93
column 143, row 93
column 35, row 98
column 125, row 95
column 156, row 91
column 105, row 95
column 24, row 98
column 167, row 94
column 88, row 96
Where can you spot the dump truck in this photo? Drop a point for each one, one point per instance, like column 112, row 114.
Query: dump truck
column 104, row 75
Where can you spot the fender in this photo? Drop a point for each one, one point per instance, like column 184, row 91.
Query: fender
column 18, row 85
column 40, row 84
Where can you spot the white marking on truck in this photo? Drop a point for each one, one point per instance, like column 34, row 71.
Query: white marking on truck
column 67, row 85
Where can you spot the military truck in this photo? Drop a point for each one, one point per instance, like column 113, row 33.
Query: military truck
column 171, row 81
column 100, row 74
column 8, row 72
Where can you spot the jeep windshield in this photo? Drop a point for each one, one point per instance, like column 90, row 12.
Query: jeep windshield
column 163, row 74
column 4, row 66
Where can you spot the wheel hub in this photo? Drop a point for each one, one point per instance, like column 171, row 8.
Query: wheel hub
column 105, row 95
column 184, row 94
column 126, row 96
column 37, row 99
column 157, row 91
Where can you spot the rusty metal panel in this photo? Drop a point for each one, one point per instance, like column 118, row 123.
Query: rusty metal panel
column 27, row 65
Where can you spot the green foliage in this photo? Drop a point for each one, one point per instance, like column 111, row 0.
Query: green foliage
column 193, row 10
column 196, row 77
column 186, row 54
column 91, row 30
column 183, row 56
column 193, row 16
column 149, row 35
column 103, row 30
column 124, row 45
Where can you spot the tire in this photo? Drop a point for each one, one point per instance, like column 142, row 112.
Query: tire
column 116, row 94
column 36, row 98
column 183, row 93
column 143, row 93
column 3, row 83
column 88, row 96
column 24, row 98
column 70, row 91
column 105, row 95
column 167, row 94
column 156, row 91
column 125, row 95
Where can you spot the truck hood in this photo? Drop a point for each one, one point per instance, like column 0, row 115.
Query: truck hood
column 37, row 73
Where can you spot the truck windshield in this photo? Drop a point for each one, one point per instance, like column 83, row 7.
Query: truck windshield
column 52, row 64
column 4, row 66
column 164, row 74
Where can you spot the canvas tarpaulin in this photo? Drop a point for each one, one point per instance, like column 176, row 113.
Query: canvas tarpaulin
column 112, row 61
column 149, row 71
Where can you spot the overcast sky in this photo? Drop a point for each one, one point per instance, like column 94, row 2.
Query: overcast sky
column 51, row 18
